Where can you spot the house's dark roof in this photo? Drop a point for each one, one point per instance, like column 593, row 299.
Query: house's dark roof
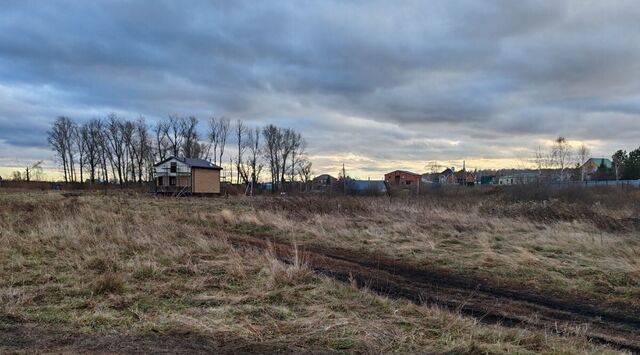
column 193, row 162
column 447, row 171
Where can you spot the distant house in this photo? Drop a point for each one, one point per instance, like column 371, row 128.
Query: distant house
column 465, row 178
column 448, row 177
column 430, row 178
column 322, row 182
column 522, row 178
column 402, row 177
column 186, row 176
column 487, row 180
column 591, row 167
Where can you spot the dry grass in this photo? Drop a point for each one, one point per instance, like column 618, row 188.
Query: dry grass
column 139, row 264
column 564, row 247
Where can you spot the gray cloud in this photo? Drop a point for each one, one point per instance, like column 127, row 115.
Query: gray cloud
column 383, row 80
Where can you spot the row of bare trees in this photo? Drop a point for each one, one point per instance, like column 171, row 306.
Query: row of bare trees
column 109, row 149
column 114, row 149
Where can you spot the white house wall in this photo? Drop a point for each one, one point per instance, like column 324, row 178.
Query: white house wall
column 164, row 169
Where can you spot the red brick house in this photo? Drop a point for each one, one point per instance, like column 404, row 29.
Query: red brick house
column 402, row 177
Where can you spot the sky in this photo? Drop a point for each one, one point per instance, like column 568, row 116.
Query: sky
column 376, row 85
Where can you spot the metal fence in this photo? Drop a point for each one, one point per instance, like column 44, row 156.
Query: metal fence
column 594, row 183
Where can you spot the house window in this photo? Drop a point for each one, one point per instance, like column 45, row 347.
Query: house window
column 172, row 181
column 160, row 181
column 408, row 182
column 174, row 167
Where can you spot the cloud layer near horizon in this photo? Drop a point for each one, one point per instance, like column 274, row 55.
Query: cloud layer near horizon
column 375, row 83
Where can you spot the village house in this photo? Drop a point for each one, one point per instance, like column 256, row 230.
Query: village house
column 402, row 177
column 465, row 178
column 322, row 182
column 521, row 178
column 591, row 166
column 448, row 177
column 430, row 178
column 182, row 176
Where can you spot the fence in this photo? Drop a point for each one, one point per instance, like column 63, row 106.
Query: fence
column 594, row 183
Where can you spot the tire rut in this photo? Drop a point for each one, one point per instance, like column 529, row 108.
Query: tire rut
column 486, row 303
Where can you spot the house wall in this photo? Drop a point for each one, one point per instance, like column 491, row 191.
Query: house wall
column 401, row 177
column 164, row 169
column 205, row 181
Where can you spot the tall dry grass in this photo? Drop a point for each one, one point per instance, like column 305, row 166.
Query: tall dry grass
column 140, row 264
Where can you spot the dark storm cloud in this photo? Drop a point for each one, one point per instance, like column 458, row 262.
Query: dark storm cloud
column 347, row 74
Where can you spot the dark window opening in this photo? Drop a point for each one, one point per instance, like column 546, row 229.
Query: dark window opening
column 172, row 181
column 174, row 167
column 160, row 181
column 408, row 182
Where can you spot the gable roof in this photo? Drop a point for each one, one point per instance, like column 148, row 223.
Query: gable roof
column 192, row 162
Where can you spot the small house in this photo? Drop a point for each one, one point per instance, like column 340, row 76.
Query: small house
column 322, row 182
column 591, row 167
column 402, row 177
column 522, row 178
column 182, row 176
column 448, row 177
column 465, row 178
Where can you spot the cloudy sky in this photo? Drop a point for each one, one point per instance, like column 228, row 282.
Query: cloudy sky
column 377, row 85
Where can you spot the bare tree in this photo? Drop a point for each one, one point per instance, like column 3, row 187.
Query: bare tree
column 32, row 171
column 128, row 136
column 240, row 130
column 60, row 137
column 541, row 159
column 223, row 134
column 218, row 133
column 583, row 156
column 116, row 147
column 80, row 148
column 290, row 142
column 162, row 145
column 191, row 146
column 175, row 134
column 272, row 146
column 253, row 162
column 104, row 152
column 298, row 157
column 305, row 172
column 90, row 134
column 142, row 147
column 561, row 155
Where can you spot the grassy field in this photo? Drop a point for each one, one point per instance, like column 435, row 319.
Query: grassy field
column 126, row 272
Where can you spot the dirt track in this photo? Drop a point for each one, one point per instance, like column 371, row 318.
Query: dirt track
column 487, row 302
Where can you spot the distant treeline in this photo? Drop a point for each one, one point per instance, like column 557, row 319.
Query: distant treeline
column 625, row 166
column 118, row 150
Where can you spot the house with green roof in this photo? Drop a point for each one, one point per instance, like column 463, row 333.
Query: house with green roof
column 591, row 166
